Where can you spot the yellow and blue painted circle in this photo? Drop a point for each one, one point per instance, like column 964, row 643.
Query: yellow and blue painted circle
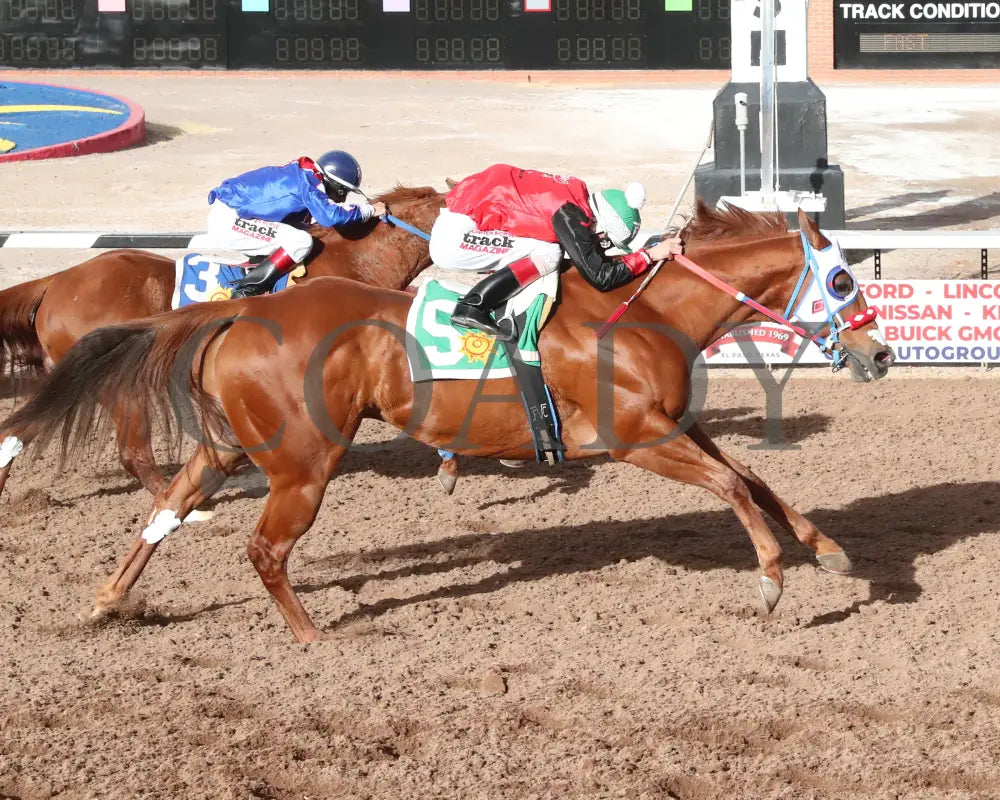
column 42, row 121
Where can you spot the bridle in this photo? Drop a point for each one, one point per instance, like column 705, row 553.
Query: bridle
column 829, row 260
column 819, row 303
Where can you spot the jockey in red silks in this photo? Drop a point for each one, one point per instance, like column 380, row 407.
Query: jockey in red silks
column 264, row 213
column 521, row 222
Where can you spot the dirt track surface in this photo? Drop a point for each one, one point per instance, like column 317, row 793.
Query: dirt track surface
column 587, row 632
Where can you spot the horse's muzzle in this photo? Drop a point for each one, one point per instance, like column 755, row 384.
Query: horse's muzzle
column 868, row 367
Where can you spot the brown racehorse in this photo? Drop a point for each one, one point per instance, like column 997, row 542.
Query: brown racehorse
column 40, row 320
column 289, row 378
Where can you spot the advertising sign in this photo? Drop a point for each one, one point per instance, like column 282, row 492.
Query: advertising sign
column 924, row 321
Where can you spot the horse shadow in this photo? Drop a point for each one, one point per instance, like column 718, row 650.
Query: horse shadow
column 157, row 132
column 976, row 209
column 942, row 215
column 403, row 458
column 884, row 536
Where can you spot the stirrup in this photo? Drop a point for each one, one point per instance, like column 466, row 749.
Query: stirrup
column 473, row 318
column 248, row 290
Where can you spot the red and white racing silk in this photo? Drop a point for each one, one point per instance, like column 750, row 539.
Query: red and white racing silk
column 518, row 201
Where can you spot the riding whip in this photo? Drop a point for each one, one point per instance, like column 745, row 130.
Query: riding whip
column 620, row 311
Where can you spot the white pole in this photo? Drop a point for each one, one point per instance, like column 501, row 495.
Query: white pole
column 767, row 110
column 741, row 125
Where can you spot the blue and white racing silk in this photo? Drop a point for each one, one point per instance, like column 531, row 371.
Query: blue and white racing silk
column 272, row 193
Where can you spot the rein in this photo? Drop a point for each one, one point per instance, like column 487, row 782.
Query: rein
column 722, row 286
column 389, row 219
column 719, row 284
column 827, row 345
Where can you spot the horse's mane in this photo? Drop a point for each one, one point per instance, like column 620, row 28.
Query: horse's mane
column 399, row 193
column 396, row 196
column 711, row 224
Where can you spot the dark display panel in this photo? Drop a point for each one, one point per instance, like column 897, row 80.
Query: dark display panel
column 367, row 34
column 916, row 34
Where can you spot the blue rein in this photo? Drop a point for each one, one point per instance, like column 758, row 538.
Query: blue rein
column 406, row 226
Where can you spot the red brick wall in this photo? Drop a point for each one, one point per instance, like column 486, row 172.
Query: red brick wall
column 820, row 36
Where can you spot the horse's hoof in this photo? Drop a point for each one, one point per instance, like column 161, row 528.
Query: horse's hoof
column 199, row 516
column 447, row 480
column 837, row 563
column 85, row 615
column 770, row 593
column 511, row 464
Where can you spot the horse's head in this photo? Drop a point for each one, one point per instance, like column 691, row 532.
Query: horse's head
column 829, row 298
column 804, row 272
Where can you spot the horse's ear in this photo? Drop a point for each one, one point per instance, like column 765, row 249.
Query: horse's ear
column 813, row 234
column 450, row 183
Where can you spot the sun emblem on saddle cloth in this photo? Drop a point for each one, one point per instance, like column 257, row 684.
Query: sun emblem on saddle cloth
column 476, row 346
column 226, row 292
column 220, row 293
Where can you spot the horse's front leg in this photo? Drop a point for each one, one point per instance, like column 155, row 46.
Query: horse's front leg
column 829, row 554
column 198, row 480
column 682, row 459
column 447, row 473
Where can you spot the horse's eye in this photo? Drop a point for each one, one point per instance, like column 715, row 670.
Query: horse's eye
column 842, row 284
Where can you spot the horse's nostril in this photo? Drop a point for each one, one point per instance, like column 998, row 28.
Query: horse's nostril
column 884, row 358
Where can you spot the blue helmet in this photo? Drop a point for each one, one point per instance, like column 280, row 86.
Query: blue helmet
column 341, row 171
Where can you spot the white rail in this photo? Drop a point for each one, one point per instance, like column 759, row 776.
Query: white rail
column 927, row 240
column 877, row 241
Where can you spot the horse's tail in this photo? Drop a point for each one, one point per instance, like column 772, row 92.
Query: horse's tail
column 19, row 345
column 150, row 363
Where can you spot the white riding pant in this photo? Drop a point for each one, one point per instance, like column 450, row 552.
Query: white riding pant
column 255, row 237
column 457, row 244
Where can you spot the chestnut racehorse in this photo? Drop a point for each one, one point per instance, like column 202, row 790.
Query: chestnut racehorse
column 40, row 320
column 287, row 379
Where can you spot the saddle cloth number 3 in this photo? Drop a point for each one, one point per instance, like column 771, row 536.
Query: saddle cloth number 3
column 206, row 285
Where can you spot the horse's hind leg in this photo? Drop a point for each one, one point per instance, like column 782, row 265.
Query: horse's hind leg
column 198, row 479
column 682, row 459
column 135, row 450
column 829, row 554
column 11, row 446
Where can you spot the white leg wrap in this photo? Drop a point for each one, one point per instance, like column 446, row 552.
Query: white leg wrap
column 163, row 523
column 9, row 448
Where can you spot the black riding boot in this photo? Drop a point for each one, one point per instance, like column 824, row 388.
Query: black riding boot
column 473, row 310
column 261, row 279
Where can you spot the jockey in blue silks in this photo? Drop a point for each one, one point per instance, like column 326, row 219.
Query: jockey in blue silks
column 264, row 213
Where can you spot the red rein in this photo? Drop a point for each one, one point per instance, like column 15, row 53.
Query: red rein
column 854, row 322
